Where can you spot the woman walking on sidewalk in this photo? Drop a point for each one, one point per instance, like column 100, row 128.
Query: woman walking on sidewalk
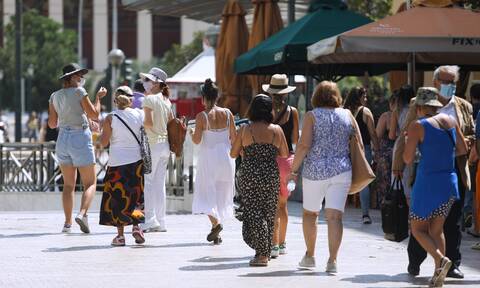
column 214, row 182
column 438, row 137
column 124, row 178
column 259, row 143
column 287, row 117
column 355, row 102
column 158, row 111
column 327, row 169
column 69, row 109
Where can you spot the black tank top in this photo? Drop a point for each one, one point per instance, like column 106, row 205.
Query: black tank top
column 363, row 127
column 287, row 128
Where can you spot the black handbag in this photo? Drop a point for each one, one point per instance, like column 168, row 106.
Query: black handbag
column 395, row 210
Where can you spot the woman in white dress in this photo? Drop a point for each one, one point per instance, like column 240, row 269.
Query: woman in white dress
column 214, row 183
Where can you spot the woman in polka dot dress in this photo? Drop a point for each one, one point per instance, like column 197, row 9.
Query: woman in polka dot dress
column 259, row 143
column 435, row 190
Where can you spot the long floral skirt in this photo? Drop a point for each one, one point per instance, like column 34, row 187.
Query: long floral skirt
column 123, row 193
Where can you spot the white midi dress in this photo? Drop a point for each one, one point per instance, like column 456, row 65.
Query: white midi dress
column 214, row 182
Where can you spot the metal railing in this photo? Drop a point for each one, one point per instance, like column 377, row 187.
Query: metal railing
column 26, row 167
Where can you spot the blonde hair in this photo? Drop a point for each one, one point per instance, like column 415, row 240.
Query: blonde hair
column 122, row 101
column 326, row 94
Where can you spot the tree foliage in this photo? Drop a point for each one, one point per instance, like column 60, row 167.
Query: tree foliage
column 47, row 47
column 180, row 55
column 374, row 9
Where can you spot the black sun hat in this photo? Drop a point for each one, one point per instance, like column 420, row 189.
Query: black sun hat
column 73, row 68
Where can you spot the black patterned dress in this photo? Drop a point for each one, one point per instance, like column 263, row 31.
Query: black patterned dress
column 259, row 182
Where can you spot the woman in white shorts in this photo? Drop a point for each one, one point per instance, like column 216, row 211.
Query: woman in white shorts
column 327, row 170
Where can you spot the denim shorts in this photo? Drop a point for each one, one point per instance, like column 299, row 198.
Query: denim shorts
column 75, row 147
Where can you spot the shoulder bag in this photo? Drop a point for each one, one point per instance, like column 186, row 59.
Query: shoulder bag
column 145, row 152
column 176, row 131
column 362, row 173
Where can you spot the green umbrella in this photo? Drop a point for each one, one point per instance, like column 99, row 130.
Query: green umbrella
column 286, row 51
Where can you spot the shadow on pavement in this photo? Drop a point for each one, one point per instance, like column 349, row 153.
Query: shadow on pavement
column 78, row 248
column 208, row 259
column 229, row 266
column 383, row 278
column 27, row 235
column 179, row 245
column 287, row 273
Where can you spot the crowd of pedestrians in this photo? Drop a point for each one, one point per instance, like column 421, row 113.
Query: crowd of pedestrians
column 428, row 133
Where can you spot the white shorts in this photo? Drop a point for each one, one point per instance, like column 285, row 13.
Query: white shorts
column 334, row 190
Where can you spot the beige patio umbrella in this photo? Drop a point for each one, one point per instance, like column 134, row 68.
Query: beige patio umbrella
column 235, row 89
column 267, row 21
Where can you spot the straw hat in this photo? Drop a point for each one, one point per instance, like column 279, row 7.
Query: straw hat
column 155, row 74
column 427, row 96
column 278, row 85
column 72, row 68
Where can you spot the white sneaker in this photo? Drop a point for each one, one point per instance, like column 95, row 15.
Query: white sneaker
column 307, row 262
column 67, row 228
column 82, row 221
column 283, row 248
column 331, row 267
column 275, row 252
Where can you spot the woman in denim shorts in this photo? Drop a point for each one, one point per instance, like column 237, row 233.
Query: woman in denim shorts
column 70, row 110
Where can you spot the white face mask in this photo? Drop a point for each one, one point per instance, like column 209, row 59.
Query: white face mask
column 148, row 86
column 81, row 83
column 447, row 90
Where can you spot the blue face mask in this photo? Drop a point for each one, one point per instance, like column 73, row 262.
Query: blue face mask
column 447, row 90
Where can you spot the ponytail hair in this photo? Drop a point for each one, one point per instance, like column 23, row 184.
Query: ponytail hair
column 122, row 101
column 209, row 90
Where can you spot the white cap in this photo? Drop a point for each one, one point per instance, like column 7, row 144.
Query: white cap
column 125, row 90
column 155, row 74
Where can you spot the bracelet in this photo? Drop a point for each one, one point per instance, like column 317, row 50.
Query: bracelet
column 293, row 173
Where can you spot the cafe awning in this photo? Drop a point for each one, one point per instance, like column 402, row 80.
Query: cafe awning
column 431, row 36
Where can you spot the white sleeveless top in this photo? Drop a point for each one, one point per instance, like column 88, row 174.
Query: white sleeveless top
column 124, row 148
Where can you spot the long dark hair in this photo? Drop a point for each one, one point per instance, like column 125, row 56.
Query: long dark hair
column 354, row 98
column 405, row 94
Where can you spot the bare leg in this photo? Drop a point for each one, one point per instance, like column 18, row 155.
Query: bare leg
column 213, row 220
column 420, row 230
column 69, row 174
column 283, row 213
column 436, row 232
column 89, row 181
column 335, row 231
column 310, row 231
column 120, row 230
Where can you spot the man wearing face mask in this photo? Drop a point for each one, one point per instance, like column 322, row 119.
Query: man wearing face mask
column 158, row 111
column 444, row 79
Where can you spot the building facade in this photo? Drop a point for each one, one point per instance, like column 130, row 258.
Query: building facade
column 141, row 35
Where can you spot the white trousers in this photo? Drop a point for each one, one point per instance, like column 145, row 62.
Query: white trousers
column 154, row 189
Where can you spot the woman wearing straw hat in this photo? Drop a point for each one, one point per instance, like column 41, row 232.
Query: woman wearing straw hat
column 69, row 109
column 438, row 138
column 287, row 118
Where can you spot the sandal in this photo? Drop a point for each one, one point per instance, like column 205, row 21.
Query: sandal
column 257, row 262
column 118, row 241
column 214, row 233
column 138, row 235
column 476, row 246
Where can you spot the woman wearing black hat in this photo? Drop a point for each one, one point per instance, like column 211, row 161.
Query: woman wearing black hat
column 70, row 110
column 261, row 143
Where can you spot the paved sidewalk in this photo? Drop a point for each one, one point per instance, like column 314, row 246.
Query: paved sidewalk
column 34, row 254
